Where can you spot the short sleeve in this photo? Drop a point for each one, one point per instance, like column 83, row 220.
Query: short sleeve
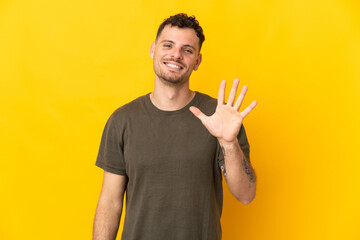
column 111, row 151
column 244, row 145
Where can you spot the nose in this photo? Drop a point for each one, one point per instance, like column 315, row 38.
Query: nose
column 176, row 53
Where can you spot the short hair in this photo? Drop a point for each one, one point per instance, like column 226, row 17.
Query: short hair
column 182, row 20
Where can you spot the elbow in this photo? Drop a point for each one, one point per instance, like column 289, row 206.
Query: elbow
column 246, row 199
column 244, row 193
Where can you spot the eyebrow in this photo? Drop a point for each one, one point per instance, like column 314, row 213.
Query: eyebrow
column 186, row 45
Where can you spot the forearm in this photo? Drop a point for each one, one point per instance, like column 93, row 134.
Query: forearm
column 238, row 172
column 107, row 219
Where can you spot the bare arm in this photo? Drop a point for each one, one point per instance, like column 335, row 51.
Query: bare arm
column 108, row 211
column 225, row 125
column 238, row 172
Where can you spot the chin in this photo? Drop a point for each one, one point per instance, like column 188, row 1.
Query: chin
column 173, row 82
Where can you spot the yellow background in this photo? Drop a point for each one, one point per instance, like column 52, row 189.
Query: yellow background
column 65, row 66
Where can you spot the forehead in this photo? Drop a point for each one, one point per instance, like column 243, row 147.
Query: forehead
column 180, row 36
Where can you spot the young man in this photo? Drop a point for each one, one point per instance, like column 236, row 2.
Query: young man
column 167, row 149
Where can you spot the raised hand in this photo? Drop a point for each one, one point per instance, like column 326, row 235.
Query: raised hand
column 225, row 123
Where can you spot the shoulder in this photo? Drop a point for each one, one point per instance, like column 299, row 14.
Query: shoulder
column 206, row 103
column 129, row 109
column 206, row 98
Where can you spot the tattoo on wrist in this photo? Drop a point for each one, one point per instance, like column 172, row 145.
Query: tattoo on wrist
column 222, row 167
column 248, row 170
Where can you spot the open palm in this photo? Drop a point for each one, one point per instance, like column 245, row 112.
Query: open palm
column 225, row 123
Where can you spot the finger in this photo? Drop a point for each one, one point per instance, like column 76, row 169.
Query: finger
column 240, row 98
column 248, row 109
column 221, row 94
column 197, row 112
column 233, row 91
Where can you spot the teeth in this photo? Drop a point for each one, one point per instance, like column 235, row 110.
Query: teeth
column 173, row 66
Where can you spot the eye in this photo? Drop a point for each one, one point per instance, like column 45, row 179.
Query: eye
column 188, row 51
column 167, row 46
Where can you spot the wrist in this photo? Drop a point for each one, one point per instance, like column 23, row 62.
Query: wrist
column 228, row 144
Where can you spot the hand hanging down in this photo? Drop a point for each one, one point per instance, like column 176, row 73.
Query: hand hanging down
column 225, row 123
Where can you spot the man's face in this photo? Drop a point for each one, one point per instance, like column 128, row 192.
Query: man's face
column 176, row 55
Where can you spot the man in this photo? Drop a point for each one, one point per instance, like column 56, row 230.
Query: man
column 168, row 161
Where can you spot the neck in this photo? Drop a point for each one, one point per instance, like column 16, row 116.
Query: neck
column 171, row 98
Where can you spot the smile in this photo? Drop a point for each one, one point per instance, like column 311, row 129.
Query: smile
column 173, row 66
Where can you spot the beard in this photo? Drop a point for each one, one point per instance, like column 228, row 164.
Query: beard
column 170, row 78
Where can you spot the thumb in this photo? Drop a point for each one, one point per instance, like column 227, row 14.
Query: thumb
column 197, row 112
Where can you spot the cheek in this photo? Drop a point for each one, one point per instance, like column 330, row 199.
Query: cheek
column 192, row 63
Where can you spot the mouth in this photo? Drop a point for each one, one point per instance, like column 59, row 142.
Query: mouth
column 173, row 65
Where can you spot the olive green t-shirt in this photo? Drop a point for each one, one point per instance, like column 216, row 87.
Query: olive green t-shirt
column 171, row 161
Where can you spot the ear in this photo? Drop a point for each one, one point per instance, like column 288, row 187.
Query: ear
column 198, row 61
column 152, row 50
